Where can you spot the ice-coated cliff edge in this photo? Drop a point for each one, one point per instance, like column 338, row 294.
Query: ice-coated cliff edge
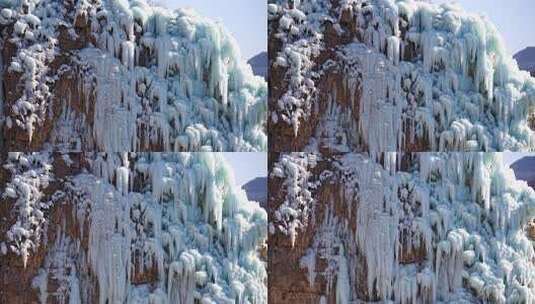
column 394, row 75
column 129, row 228
column 406, row 228
column 118, row 75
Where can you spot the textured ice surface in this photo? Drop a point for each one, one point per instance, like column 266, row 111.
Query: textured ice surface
column 148, row 228
column 151, row 78
column 428, row 227
column 417, row 73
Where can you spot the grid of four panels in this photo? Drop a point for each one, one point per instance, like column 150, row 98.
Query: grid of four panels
column 288, row 151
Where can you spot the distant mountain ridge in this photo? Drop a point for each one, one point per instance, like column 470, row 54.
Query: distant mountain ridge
column 256, row 190
column 260, row 64
column 526, row 59
column 525, row 170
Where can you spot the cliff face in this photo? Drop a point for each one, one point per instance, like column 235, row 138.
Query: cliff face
column 109, row 75
column 128, row 228
column 359, row 75
column 409, row 228
column 23, row 252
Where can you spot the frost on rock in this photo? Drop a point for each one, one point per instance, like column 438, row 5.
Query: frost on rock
column 298, row 205
column 126, row 76
column 30, row 175
column 36, row 46
column 153, row 228
column 415, row 228
column 299, row 29
column 402, row 76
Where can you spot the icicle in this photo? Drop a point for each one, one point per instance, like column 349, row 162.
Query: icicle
column 181, row 280
column 342, row 280
column 127, row 56
column 2, row 117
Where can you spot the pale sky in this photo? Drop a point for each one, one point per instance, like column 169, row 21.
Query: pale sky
column 514, row 19
column 247, row 165
column 246, row 20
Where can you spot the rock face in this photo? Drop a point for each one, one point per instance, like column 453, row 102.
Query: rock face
column 406, row 228
column 369, row 75
column 127, row 228
column 84, row 75
column 525, row 170
column 526, row 60
column 259, row 63
column 257, row 190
